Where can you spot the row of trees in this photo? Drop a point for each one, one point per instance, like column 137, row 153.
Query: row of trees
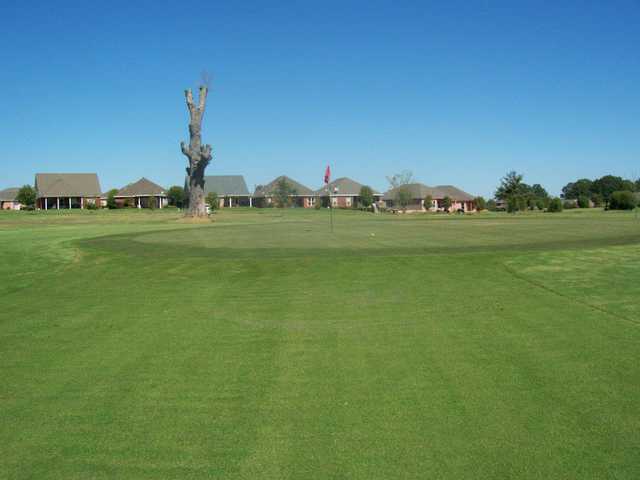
column 601, row 191
column 609, row 191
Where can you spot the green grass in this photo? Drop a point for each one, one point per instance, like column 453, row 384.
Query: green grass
column 134, row 345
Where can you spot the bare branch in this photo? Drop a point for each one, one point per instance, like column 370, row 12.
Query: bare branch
column 203, row 98
column 184, row 149
column 205, row 79
column 189, row 96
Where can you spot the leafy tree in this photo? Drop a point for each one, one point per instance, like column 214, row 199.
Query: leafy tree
column 212, row 201
column 175, row 196
column 111, row 199
column 608, row 184
column 573, row 190
column 523, row 202
column 282, row 193
column 512, row 204
column 27, row 196
column 538, row 191
column 491, row 205
column 510, row 185
column 366, row 196
column 623, row 200
column 446, row 203
column 481, row 203
column 428, row 202
column 583, row 201
column 404, row 197
column 540, row 204
column 569, row 204
column 403, row 178
column 555, row 205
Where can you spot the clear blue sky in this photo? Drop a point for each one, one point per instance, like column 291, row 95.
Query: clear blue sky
column 457, row 92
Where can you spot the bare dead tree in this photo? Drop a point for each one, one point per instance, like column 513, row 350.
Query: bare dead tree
column 199, row 155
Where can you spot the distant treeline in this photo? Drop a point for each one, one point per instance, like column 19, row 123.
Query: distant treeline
column 609, row 191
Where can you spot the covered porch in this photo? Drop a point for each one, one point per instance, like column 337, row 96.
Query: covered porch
column 63, row 203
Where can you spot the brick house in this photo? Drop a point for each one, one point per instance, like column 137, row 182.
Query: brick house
column 232, row 190
column 66, row 190
column 460, row 200
column 302, row 196
column 8, row 199
column 142, row 194
column 343, row 192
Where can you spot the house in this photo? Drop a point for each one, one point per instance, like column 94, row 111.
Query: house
column 66, row 190
column 141, row 194
column 460, row 200
column 232, row 190
column 8, row 199
column 344, row 193
column 300, row 196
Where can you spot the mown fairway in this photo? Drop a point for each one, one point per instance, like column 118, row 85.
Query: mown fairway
column 133, row 345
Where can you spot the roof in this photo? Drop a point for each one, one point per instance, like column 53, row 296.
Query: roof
column 226, row 185
column 452, row 192
column 269, row 188
column 420, row 190
column 346, row 186
column 9, row 194
column 67, row 185
column 141, row 188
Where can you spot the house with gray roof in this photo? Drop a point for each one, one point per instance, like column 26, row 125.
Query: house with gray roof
column 417, row 192
column 8, row 199
column 142, row 194
column 299, row 194
column 231, row 190
column 66, row 190
column 343, row 193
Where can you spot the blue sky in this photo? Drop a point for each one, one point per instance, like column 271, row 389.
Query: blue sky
column 457, row 92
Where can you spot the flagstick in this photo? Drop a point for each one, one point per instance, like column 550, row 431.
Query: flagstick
column 331, row 212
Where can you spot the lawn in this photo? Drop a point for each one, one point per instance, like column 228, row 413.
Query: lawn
column 135, row 345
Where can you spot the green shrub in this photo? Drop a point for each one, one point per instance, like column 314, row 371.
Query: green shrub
column 403, row 197
column 366, row 196
column 91, row 206
column 428, row 202
column 481, row 203
column 569, row 204
column 446, row 203
column 622, row 200
column 555, row 205
column 583, row 201
column 111, row 199
column 175, row 196
column 212, row 201
column 27, row 196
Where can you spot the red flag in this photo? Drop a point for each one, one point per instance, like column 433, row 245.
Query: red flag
column 327, row 175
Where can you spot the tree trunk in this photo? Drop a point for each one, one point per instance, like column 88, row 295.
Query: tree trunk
column 199, row 155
